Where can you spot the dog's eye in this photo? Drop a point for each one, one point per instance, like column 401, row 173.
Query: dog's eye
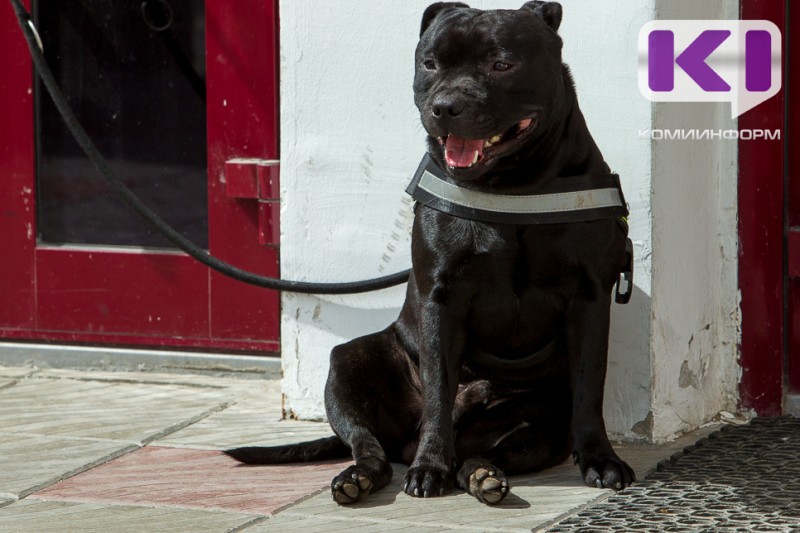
column 501, row 66
column 429, row 64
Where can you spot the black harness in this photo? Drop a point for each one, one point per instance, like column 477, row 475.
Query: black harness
column 566, row 199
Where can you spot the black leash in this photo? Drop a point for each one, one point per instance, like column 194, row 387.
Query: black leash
column 94, row 155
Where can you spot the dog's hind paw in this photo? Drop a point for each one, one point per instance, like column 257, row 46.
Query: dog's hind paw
column 354, row 484
column 484, row 481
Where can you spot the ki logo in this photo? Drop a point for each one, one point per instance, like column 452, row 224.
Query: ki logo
column 736, row 61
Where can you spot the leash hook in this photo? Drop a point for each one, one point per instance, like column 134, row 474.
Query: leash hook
column 623, row 296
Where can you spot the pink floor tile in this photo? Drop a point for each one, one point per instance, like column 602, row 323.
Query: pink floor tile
column 197, row 479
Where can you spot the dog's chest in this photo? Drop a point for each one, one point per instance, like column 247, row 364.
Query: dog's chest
column 523, row 287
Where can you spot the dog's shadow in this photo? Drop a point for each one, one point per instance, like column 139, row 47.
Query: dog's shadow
column 512, row 501
column 394, row 491
column 389, row 496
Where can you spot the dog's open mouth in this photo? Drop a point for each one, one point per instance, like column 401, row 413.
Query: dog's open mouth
column 465, row 153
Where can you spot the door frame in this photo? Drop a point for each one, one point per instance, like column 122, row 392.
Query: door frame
column 242, row 114
column 762, row 263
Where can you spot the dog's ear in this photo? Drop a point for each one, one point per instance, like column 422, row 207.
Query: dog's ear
column 549, row 11
column 434, row 9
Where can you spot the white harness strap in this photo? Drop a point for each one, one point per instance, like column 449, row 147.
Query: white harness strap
column 505, row 203
column 565, row 199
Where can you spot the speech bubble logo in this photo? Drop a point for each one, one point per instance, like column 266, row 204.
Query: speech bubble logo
column 736, row 61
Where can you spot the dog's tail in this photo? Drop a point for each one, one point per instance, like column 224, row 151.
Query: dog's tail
column 315, row 450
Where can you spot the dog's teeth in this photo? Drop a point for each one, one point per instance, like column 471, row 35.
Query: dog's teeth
column 495, row 139
column 487, row 144
column 475, row 159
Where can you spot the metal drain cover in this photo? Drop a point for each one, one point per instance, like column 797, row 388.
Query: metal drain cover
column 740, row 478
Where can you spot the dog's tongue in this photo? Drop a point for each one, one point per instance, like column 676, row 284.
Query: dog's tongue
column 460, row 152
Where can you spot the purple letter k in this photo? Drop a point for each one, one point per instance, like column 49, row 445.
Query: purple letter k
column 693, row 60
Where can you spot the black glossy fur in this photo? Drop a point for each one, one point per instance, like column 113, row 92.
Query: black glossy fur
column 412, row 392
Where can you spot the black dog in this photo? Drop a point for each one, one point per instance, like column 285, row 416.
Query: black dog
column 496, row 364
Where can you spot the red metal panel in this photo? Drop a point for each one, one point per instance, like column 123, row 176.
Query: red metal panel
column 268, row 222
column 241, row 52
column 761, row 243
column 122, row 292
column 793, row 213
column 793, row 252
column 144, row 341
column 252, row 178
column 269, row 180
column 793, row 335
column 241, row 178
column 17, row 193
column 793, row 118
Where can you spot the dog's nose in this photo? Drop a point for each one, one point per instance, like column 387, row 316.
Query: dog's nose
column 447, row 107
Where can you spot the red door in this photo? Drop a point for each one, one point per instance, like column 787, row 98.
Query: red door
column 171, row 93
column 769, row 233
column 792, row 218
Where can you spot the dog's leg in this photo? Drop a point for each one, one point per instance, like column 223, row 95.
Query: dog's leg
column 442, row 338
column 587, row 344
column 522, row 433
column 370, row 377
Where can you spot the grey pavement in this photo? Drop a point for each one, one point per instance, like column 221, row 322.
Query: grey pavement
column 116, row 451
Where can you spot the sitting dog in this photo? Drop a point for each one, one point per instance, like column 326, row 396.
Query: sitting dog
column 497, row 362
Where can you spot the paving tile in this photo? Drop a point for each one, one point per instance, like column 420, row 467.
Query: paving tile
column 30, row 462
column 197, row 479
column 55, row 423
column 314, row 524
column 535, row 500
column 58, row 517
column 253, row 421
column 16, row 371
column 118, row 411
column 9, row 376
column 160, row 378
column 4, row 500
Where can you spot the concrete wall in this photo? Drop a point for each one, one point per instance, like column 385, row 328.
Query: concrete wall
column 351, row 138
column 695, row 307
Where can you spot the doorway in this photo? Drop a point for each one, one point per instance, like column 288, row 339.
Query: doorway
column 171, row 92
column 769, row 234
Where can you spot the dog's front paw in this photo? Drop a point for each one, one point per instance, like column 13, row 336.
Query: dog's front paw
column 427, row 481
column 604, row 470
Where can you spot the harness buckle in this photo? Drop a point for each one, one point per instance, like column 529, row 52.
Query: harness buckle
column 626, row 276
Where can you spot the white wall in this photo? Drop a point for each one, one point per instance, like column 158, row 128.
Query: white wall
column 351, row 138
column 695, row 290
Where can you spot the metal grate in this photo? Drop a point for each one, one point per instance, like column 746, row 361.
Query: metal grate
column 740, row 478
